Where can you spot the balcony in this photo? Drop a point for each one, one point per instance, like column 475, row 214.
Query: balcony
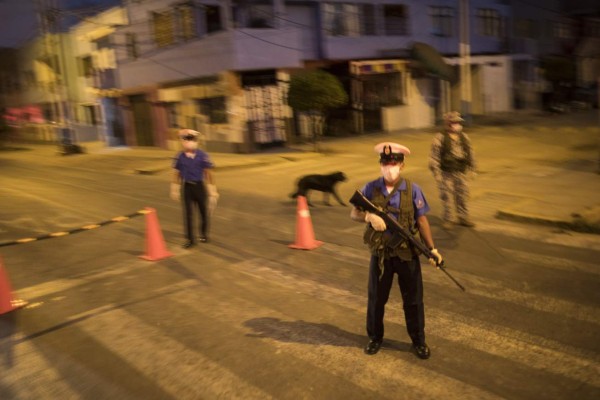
column 237, row 50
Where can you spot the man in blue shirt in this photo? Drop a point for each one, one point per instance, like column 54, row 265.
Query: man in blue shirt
column 405, row 201
column 193, row 183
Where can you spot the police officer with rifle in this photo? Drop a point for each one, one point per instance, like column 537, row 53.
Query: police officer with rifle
column 392, row 254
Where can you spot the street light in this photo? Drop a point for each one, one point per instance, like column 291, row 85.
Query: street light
column 465, row 61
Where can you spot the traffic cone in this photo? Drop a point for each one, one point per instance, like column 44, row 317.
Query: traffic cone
column 7, row 303
column 155, row 243
column 305, row 237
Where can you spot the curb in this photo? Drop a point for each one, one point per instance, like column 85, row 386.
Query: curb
column 576, row 225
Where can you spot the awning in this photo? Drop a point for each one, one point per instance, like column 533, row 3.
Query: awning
column 432, row 61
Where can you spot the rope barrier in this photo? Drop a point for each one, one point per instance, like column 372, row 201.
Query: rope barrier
column 76, row 230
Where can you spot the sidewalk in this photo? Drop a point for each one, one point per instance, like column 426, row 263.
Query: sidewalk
column 563, row 192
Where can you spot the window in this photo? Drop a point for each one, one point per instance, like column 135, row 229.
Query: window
column 259, row 18
column 162, row 23
column 171, row 111
column 215, row 108
column 186, row 16
column 86, row 66
column 442, row 21
column 380, row 90
column 90, row 115
column 527, row 28
column 489, row 22
column 395, row 19
column 343, row 19
column 367, row 16
column 212, row 15
column 131, row 45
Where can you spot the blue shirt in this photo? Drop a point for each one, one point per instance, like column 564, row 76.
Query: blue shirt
column 418, row 198
column 192, row 169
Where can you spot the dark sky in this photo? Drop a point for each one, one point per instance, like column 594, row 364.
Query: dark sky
column 18, row 18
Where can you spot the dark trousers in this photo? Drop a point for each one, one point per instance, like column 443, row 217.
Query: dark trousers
column 194, row 193
column 411, row 288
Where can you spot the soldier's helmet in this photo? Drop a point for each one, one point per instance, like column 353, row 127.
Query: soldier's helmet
column 452, row 116
column 391, row 152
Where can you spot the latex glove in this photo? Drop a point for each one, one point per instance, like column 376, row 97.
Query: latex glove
column 471, row 175
column 213, row 197
column 376, row 221
column 175, row 193
column 438, row 256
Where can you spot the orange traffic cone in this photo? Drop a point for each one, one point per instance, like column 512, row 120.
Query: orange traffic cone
column 305, row 237
column 155, row 243
column 7, row 303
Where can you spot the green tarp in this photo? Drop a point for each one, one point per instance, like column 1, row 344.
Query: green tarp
column 432, row 62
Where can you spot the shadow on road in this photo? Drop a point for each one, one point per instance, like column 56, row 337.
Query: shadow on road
column 312, row 333
column 8, row 324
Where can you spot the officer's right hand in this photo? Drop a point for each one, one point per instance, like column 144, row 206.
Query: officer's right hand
column 175, row 193
column 376, row 221
column 438, row 258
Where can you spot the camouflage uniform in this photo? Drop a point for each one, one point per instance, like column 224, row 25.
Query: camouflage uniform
column 449, row 161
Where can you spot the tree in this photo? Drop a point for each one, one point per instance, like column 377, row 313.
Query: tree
column 315, row 92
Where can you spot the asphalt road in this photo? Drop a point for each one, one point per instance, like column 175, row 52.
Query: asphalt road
column 246, row 317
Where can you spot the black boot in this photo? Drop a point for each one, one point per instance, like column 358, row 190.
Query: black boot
column 421, row 350
column 373, row 347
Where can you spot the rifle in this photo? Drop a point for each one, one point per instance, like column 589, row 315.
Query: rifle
column 400, row 233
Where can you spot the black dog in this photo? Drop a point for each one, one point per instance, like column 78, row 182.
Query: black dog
column 321, row 183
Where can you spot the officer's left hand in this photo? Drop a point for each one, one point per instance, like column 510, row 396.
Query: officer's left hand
column 213, row 197
column 438, row 261
column 175, row 192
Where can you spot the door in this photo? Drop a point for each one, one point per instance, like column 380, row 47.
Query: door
column 142, row 120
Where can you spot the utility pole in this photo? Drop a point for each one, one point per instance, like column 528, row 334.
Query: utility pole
column 465, row 61
column 47, row 57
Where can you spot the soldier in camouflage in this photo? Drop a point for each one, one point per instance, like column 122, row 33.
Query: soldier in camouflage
column 450, row 160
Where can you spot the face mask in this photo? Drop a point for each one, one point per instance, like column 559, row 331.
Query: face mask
column 457, row 128
column 390, row 172
column 189, row 145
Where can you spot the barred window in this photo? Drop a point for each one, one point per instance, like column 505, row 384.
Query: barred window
column 345, row 19
column 171, row 111
column 215, row 108
column 186, row 15
column 395, row 19
column 131, row 45
column 442, row 21
column 489, row 22
column 212, row 15
column 162, row 23
column 380, row 90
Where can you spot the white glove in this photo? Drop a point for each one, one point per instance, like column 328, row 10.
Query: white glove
column 175, row 191
column 376, row 221
column 213, row 197
column 438, row 256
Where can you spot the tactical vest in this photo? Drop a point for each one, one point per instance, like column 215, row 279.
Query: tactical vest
column 448, row 162
column 378, row 241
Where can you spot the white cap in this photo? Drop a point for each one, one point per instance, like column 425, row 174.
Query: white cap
column 188, row 132
column 391, row 151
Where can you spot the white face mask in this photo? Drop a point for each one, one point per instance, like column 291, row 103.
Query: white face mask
column 456, row 128
column 189, row 145
column 390, row 172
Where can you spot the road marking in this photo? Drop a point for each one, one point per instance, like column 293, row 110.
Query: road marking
column 326, row 351
column 531, row 350
column 177, row 369
column 558, row 263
